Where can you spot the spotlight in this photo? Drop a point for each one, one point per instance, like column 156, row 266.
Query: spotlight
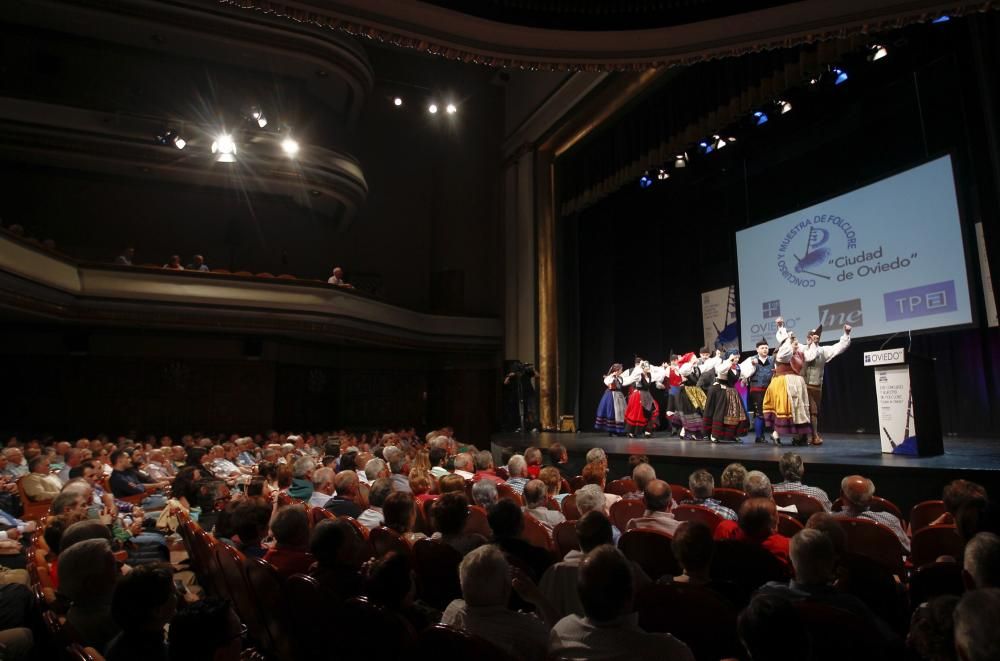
column 171, row 137
column 783, row 106
column 451, row 109
column 645, row 181
column 432, row 108
column 680, row 161
column 706, row 147
column 719, row 142
column 290, row 147
column 840, row 76
column 258, row 116
column 397, row 102
column 944, row 18
column 878, row 51
column 662, row 174
column 760, row 117
column 225, row 148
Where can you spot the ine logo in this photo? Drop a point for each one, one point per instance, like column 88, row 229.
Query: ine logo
column 834, row 315
column 770, row 309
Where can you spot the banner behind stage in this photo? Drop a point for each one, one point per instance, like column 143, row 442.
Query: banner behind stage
column 718, row 318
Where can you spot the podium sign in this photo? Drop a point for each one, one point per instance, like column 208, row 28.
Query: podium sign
column 905, row 389
column 895, row 408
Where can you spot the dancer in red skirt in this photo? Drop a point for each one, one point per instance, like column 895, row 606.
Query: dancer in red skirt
column 641, row 412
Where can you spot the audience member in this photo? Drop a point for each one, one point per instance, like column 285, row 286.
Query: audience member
column 290, row 553
column 344, row 503
column 322, row 479
column 536, row 498
column 451, row 483
column 449, row 514
column 484, row 493
column 981, row 562
column 517, row 471
column 702, row 486
column 249, row 523
column 127, row 257
column 657, row 516
column 87, row 577
column 559, row 582
column 507, row 523
column 486, row 580
column 733, row 476
column 857, row 492
column 483, row 461
column 396, row 459
column 533, row 462
column 464, row 465
column 553, row 483
column 40, row 483
column 390, row 584
column 400, row 514
column 198, row 264
column 595, row 473
column 336, row 276
column 772, row 630
column 144, row 601
column 174, row 263
column 792, row 469
column 955, row 495
column 642, row 475
column 758, row 524
column 977, row 637
column 302, row 482
column 609, row 628
column 337, row 548
column 372, row 517
column 932, row 629
column 559, row 458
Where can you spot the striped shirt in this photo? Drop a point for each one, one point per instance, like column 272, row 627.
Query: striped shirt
column 814, row 492
column 715, row 506
column 517, row 484
column 887, row 519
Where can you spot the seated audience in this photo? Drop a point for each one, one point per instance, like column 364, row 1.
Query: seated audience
column 421, row 484
column 437, row 458
column 483, row 462
column 517, row 471
column 609, row 628
column 449, row 514
column 977, row 637
column 553, row 483
column 486, row 581
column 932, row 629
column 390, row 584
column 124, row 481
column 857, row 492
column 772, row 630
column 87, row 577
column 336, row 277
column 464, row 465
column 659, row 501
column 536, row 497
column 302, row 482
column 400, row 514
column 733, row 476
column 702, row 486
column 981, row 562
column 174, row 264
column 198, row 264
column 596, row 473
column 207, row 630
column 451, row 483
column 558, row 458
column 143, row 603
column 693, row 547
column 955, row 495
column 533, row 462
column 642, row 475
column 372, row 517
column 484, row 493
column 792, row 469
column 344, row 503
column 337, row 549
column 290, row 553
column 559, row 582
column 396, row 459
column 758, row 524
column 507, row 523
column 249, row 522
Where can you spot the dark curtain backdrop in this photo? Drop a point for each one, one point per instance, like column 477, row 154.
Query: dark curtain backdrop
column 641, row 258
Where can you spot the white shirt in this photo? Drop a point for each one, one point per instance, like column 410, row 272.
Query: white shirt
column 559, row 584
column 830, row 351
column 575, row 637
column 372, row 518
column 548, row 518
column 439, row 471
column 661, row 521
column 465, row 474
column 318, row 498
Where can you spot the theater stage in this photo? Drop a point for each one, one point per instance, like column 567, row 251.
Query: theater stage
column 905, row 480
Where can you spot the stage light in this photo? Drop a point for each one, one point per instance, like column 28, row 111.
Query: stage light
column 783, row 106
column 397, row 102
column 258, row 116
column 840, row 76
column 662, row 174
column 432, row 108
column 225, row 148
column 290, row 147
column 944, row 18
column 706, row 147
column 760, row 117
column 878, row 51
column 451, row 109
column 645, row 181
column 171, row 137
column 680, row 161
column 718, row 142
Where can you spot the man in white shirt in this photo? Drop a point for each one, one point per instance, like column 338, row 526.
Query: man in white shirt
column 559, row 582
column 535, row 504
column 609, row 630
column 322, row 487
column 157, row 469
column 372, row 517
column 464, row 465
column 816, row 359
column 657, row 516
column 517, row 471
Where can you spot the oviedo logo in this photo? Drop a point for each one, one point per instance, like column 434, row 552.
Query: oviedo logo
column 810, row 247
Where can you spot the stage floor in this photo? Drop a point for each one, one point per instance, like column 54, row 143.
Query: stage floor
column 965, row 454
column 904, row 480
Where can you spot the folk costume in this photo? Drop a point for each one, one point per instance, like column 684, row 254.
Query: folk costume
column 786, row 401
column 756, row 372
column 642, row 411
column 816, row 359
column 670, row 381
column 691, row 398
column 611, row 409
column 725, row 417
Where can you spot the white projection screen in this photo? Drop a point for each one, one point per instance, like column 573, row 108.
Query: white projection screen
column 885, row 258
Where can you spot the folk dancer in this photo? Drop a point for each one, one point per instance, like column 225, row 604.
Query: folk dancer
column 786, row 402
column 611, row 409
column 725, row 417
column 708, row 361
column 691, row 399
column 671, row 381
column 816, row 359
column 641, row 412
column 756, row 372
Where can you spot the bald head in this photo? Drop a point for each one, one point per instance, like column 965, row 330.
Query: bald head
column 657, row 496
column 858, row 491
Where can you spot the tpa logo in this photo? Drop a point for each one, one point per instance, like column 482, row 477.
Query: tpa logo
column 834, row 315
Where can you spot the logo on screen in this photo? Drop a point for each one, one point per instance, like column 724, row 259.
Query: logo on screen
column 937, row 298
column 770, row 309
column 835, row 315
column 806, row 254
